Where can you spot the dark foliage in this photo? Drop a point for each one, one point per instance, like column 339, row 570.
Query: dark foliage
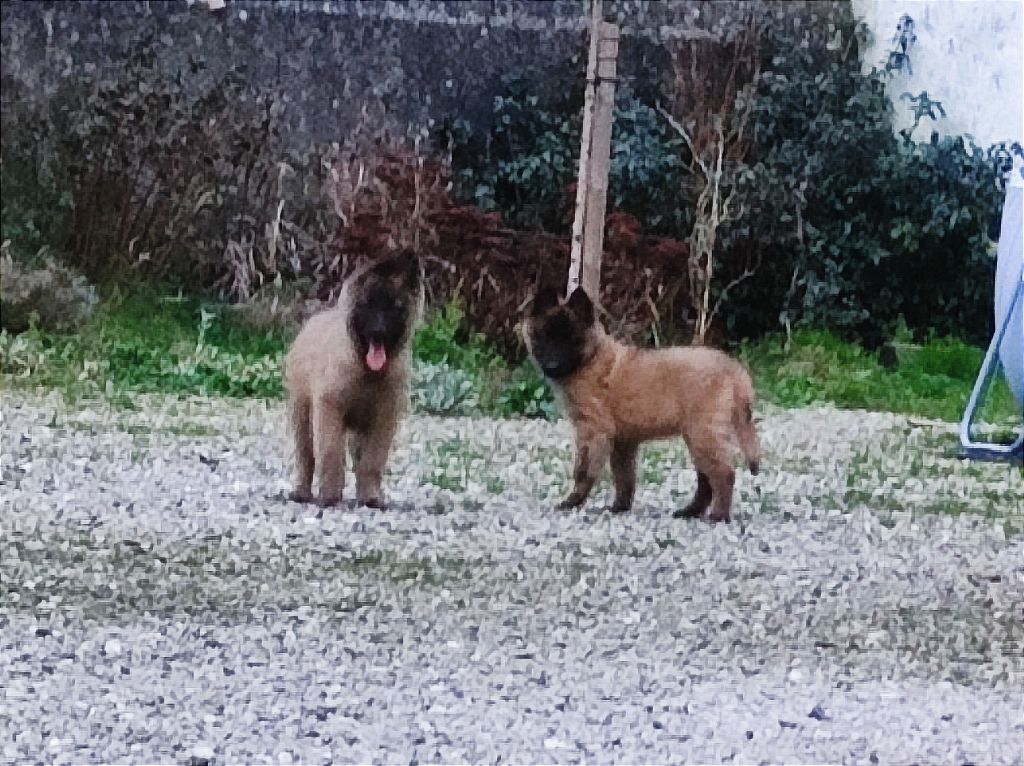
column 857, row 226
column 152, row 142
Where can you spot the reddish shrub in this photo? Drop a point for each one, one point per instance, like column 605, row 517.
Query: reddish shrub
column 493, row 270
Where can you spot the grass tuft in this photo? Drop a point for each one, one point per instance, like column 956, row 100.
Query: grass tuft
column 932, row 381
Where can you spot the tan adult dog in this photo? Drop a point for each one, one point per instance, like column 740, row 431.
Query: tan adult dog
column 347, row 379
column 618, row 396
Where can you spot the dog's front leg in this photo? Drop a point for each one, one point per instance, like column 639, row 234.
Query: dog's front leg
column 374, row 448
column 329, row 445
column 624, row 473
column 592, row 452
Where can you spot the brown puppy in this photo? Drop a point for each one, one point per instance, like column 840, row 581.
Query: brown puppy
column 347, row 375
column 618, row 396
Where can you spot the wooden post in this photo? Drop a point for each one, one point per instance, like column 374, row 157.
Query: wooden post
column 595, row 149
column 600, row 151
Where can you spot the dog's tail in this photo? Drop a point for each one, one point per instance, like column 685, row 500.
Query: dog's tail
column 743, row 420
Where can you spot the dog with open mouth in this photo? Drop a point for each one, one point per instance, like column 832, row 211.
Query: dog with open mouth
column 347, row 380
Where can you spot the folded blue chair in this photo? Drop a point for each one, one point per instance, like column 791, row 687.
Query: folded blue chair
column 1007, row 346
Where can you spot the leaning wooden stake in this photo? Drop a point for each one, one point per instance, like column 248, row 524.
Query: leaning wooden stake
column 595, row 148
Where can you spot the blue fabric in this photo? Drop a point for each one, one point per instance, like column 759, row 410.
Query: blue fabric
column 1008, row 276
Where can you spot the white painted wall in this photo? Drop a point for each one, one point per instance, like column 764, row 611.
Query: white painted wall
column 969, row 55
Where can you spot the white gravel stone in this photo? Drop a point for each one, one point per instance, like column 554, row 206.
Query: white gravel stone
column 161, row 602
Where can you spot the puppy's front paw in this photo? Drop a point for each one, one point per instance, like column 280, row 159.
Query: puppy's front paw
column 328, row 501
column 300, row 496
column 372, row 502
column 573, row 501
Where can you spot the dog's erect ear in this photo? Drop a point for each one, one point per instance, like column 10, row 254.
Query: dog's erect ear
column 546, row 298
column 403, row 268
column 411, row 267
column 581, row 306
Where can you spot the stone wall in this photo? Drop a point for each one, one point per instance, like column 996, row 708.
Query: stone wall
column 330, row 67
column 407, row 64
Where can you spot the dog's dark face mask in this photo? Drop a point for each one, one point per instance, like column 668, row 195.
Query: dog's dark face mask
column 384, row 304
column 558, row 332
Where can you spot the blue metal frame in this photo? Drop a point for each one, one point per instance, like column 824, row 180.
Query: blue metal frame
column 983, row 450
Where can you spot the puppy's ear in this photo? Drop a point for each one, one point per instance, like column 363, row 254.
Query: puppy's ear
column 546, row 298
column 403, row 268
column 412, row 268
column 581, row 306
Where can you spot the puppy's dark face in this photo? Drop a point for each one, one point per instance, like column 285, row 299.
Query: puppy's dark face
column 558, row 333
column 384, row 305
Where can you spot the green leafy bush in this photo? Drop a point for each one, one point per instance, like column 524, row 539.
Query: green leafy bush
column 524, row 161
column 445, row 339
column 846, row 220
column 34, row 211
column 526, row 393
column 440, row 389
column 458, row 372
column 858, row 227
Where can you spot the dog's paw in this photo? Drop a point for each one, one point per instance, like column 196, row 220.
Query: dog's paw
column 689, row 512
column 328, row 501
column 573, row 501
column 300, row 496
column 371, row 502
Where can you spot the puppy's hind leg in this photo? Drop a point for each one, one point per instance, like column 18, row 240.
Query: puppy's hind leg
column 299, row 413
column 329, row 446
column 701, row 500
column 624, row 473
column 723, row 479
column 711, row 455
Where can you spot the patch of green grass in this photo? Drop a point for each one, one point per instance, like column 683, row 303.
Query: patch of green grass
column 145, row 342
column 525, row 392
column 658, row 459
column 451, row 464
column 494, row 483
column 192, row 430
column 443, row 339
column 916, row 469
column 933, row 381
column 148, row 342
column 555, row 464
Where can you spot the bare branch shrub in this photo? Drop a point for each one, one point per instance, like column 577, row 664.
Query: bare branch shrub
column 714, row 82
column 201, row 190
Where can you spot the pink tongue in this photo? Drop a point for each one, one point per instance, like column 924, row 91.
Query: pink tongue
column 376, row 357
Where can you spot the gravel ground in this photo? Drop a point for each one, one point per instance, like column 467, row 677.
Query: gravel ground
column 161, row 602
